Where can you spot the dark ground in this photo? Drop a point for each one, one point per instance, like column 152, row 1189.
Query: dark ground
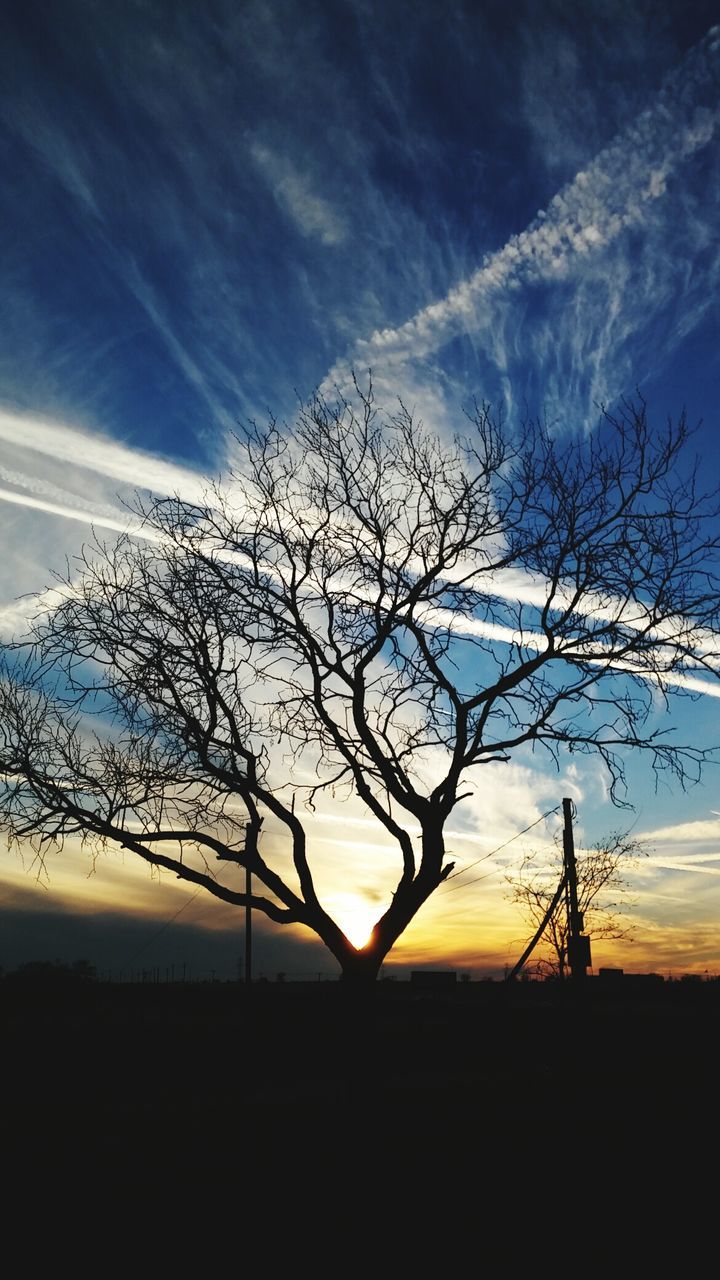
column 428, row 1123
column 160, row 1077
column 301, row 1128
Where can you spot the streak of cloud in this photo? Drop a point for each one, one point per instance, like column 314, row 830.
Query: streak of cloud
column 132, row 467
column 608, row 197
column 674, row 864
column 311, row 212
column 117, row 462
column 68, row 513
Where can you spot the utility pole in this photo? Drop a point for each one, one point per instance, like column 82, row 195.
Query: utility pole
column 512, row 974
column 578, row 942
column 248, row 925
column 252, row 833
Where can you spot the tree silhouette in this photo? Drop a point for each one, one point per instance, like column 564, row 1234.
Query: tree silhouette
column 603, row 897
column 361, row 605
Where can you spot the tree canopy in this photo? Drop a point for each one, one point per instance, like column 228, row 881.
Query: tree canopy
column 361, row 604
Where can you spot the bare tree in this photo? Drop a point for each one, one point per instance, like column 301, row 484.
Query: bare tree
column 388, row 610
column 603, row 899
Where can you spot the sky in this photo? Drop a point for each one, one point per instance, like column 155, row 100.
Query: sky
column 210, row 211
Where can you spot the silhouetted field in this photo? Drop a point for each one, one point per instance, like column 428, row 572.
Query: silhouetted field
column 151, row 1079
column 399, row 1126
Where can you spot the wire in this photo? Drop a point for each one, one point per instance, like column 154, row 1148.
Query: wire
column 162, row 928
column 492, row 852
column 475, row 881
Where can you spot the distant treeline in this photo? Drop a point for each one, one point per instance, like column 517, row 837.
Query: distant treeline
column 55, row 971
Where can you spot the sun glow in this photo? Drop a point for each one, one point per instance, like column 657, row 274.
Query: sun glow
column 356, row 917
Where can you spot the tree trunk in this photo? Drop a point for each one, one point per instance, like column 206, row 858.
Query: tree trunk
column 361, row 968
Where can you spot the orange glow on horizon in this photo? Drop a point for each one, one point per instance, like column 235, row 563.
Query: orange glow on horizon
column 480, row 931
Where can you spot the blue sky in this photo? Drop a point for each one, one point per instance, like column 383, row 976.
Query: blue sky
column 209, row 210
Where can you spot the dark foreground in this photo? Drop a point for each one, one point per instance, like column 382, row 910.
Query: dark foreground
column 160, row 1079
column 385, row 1134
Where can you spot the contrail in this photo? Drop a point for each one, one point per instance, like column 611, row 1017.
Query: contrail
column 432, row 616
column 101, row 521
column 436, row 616
column 590, row 212
column 131, row 467
column 669, row 864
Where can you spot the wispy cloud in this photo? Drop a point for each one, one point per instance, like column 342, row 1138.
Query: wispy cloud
column 610, row 196
column 702, row 831
column 292, row 188
column 142, row 471
column 130, row 467
column 102, row 521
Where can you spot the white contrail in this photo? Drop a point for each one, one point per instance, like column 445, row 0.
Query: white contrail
column 37, row 487
column 109, row 459
column 517, row 587
column 610, row 195
column 683, row 859
column 67, row 445
column 70, row 513
column 670, row 864
column 435, row 616
column 590, row 212
column 430, row 615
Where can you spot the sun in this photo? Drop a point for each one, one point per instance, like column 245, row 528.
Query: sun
column 356, row 917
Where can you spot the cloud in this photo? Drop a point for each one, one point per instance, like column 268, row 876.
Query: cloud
column 698, row 865
column 610, row 196
column 38, row 492
column 113, row 461
column 122, row 936
column 62, row 474
column 312, row 214
column 127, row 175
column 91, row 517
column 688, row 848
column 599, row 653
column 131, row 467
column 702, row 831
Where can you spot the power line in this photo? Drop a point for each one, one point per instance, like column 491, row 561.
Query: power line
column 492, row 852
column 475, row 881
column 461, row 872
column 162, row 928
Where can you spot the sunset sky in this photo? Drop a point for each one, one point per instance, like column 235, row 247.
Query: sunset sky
column 209, row 210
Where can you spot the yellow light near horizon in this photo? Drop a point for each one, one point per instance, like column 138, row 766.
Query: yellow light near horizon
column 355, row 916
